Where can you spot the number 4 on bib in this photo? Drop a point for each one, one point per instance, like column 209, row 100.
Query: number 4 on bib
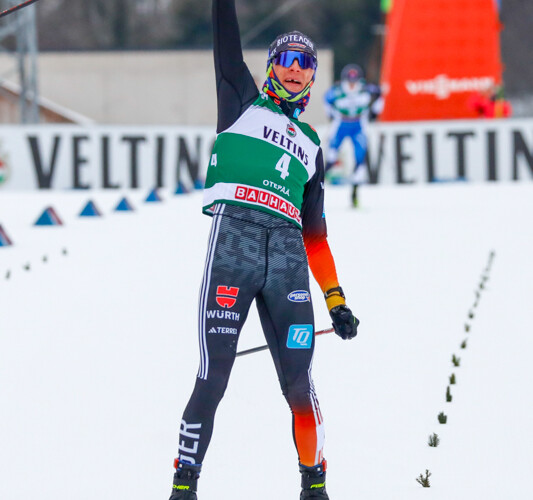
column 283, row 165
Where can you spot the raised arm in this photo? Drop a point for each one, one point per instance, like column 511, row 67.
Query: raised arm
column 236, row 89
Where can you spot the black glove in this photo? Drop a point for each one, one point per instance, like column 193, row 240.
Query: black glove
column 344, row 322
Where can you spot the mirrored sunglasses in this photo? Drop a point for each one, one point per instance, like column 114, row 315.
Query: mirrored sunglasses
column 304, row 59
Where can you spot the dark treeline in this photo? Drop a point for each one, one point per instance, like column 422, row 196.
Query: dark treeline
column 349, row 27
column 516, row 40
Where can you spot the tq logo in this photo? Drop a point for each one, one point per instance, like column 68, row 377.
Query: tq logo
column 227, row 296
column 300, row 337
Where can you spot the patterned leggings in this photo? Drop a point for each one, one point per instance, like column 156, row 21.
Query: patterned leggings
column 254, row 255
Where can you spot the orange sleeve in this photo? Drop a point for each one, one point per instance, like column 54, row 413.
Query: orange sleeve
column 314, row 233
column 321, row 263
column 323, row 268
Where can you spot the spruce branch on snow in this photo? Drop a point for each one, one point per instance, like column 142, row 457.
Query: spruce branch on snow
column 433, row 440
column 424, row 479
column 448, row 395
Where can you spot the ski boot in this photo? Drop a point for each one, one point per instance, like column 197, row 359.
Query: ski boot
column 314, row 482
column 185, row 481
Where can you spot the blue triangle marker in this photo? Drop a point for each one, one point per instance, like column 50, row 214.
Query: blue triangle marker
column 124, row 206
column 90, row 210
column 153, row 196
column 49, row 218
column 181, row 189
column 4, row 238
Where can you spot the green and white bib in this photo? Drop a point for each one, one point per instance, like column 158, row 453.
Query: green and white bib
column 262, row 161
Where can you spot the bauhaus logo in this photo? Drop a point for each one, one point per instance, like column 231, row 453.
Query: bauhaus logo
column 300, row 337
column 227, row 296
column 270, row 200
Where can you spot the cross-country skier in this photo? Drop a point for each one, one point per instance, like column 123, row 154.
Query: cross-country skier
column 350, row 104
column 265, row 191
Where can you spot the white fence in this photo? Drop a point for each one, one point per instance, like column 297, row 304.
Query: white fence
column 71, row 157
column 479, row 150
column 114, row 157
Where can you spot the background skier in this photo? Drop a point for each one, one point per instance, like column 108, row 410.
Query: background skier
column 350, row 104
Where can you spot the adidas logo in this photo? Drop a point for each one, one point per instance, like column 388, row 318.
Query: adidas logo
column 213, row 330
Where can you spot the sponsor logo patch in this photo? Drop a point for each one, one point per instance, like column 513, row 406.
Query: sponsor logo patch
column 297, row 45
column 291, row 146
column 271, row 200
column 442, row 86
column 279, row 187
column 291, row 130
column 223, row 330
column 299, row 296
column 294, row 39
column 188, row 442
column 218, row 314
column 300, row 337
column 227, row 296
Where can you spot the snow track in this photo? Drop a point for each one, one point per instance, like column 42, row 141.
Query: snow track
column 99, row 351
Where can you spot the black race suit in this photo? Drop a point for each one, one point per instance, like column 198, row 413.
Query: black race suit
column 254, row 255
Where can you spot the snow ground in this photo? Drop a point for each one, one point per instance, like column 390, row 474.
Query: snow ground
column 98, row 351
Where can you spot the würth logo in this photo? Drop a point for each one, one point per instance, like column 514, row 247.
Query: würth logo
column 227, row 296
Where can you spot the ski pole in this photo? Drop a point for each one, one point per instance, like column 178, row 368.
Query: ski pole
column 265, row 347
column 17, row 7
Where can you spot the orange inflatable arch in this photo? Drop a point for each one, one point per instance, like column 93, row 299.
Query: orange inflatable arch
column 438, row 55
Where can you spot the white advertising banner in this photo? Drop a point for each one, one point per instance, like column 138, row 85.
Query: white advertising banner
column 104, row 157
column 114, row 157
column 472, row 150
